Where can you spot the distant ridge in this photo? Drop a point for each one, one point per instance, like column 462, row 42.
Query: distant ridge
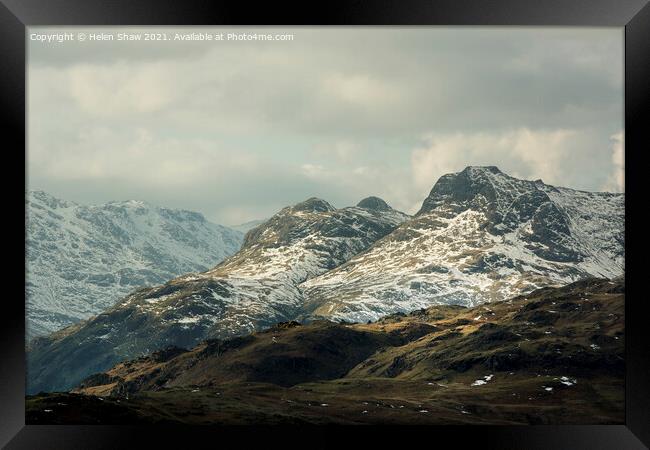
column 82, row 259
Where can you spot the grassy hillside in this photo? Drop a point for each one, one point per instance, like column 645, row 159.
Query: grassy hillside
column 553, row 356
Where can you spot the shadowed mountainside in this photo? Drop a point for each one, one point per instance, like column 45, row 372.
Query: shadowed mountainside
column 553, row 356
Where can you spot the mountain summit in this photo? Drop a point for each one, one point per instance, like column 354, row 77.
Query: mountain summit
column 478, row 187
column 374, row 203
column 481, row 235
column 313, row 205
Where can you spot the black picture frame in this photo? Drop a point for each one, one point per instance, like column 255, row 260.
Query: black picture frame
column 633, row 15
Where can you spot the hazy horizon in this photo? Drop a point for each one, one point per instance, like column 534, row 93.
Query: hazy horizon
column 228, row 224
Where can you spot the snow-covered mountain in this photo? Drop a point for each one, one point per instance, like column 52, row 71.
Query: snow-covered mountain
column 83, row 259
column 255, row 288
column 480, row 235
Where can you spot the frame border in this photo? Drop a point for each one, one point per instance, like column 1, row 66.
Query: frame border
column 633, row 15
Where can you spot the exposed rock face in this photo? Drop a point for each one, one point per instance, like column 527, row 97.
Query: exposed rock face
column 480, row 235
column 83, row 259
column 253, row 289
column 313, row 205
column 373, row 203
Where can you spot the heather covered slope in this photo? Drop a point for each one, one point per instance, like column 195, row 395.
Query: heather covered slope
column 554, row 356
column 575, row 330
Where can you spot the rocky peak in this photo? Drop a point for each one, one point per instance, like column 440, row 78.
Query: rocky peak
column 35, row 197
column 463, row 187
column 474, row 171
column 506, row 203
column 374, row 203
column 134, row 204
column 485, row 189
column 291, row 224
column 288, row 225
column 314, row 205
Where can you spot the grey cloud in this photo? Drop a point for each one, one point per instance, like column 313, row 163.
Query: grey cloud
column 380, row 90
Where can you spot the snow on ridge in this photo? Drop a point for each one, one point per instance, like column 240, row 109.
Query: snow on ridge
column 259, row 284
column 311, row 258
column 451, row 252
column 82, row 259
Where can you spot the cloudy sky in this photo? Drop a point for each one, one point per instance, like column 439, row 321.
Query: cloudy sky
column 239, row 129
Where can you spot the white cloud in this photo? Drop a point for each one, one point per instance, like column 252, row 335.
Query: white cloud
column 616, row 180
column 532, row 154
column 361, row 90
column 247, row 127
column 121, row 88
column 313, row 170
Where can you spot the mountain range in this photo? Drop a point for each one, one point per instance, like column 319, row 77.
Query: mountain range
column 255, row 288
column 480, row 236
column 83, row 259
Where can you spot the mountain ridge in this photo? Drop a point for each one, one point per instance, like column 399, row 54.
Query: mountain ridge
column 253, row 288
column 83, row 258
column 479, row 235
column 472, row 243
